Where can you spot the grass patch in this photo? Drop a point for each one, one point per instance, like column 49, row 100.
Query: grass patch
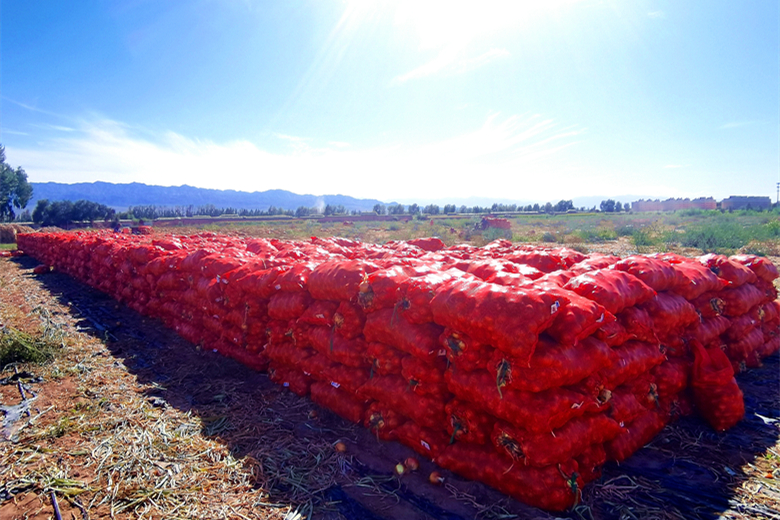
column 7, row 247
column 724, row 236
column 19, row 347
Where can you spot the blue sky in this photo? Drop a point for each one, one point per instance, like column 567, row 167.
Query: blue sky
column 397, row 100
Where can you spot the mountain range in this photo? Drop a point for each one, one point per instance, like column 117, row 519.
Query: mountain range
column 122, row 196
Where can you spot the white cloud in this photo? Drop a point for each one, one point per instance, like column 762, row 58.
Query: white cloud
column 737, row 124
column 673, row 166
column 31, row 108
column 656, row 14
column 13, row 132
column 506, row 155
column 449, row 61
column 59, row 128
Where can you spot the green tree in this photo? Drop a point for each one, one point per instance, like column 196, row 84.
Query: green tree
column 414, row 209
column 15, row 191
column 379, row 209
column 449, row 208
column 618, row 206
column 607, row 205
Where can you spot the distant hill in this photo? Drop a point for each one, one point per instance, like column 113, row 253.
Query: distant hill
column 121, row 196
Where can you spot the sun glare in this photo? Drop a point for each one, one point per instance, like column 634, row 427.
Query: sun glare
column 455, row 23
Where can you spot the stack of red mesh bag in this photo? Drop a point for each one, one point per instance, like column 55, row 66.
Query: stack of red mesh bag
column 521, row 367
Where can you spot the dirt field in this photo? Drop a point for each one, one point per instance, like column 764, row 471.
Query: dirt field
column 131, row 421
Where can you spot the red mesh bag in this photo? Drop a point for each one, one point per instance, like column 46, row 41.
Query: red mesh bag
column 536, row 412
column 744, row 348
column 739, row 300
column 570, row 257
column 288, row 305
column 349, row 352
column 715, row 391
column 466, row 423
column 338, row 279
column 557, row 446
column 770, row 312
column 428, row 244
column 416, row 294
column 342, row 403
column 381, row 420
column 294, row 279
column 394, row 391
column 552, row 365
column 422, row 378
column 740, row 327
column 734, row 273
column 544, row 261
column 594, row 262
column 259, row 284
column 624, row 406
column 632, row 358
column 615, row 290
column 380, row 289
column 707, row 330
column 770, row 347
column 383, row 359
column 419, row 340
column 590, row 462
column 349, row 320
column 288, row 354
column 464, row 352
column 638, row 324
column 509, row 319
column 709, row 304
column 695, row 280
column 670, row 312
column 671, row 377
column 641, row 431
column 613, row 334
column 319, row 313
column 321, row 368
column 763, row 267
column 425, row 441
column 555, row 488
column 292, row 378
column 578, row 320
column 657, row 274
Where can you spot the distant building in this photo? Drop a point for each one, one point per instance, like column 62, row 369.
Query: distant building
column 758, row 203
column 674, row 204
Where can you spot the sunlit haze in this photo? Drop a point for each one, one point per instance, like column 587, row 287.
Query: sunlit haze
column 407, row 101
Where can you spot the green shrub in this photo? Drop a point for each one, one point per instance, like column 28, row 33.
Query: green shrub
column 642, row 237
column 716, row 237
column 491, row 234
column 625, row 230
column 19, row 347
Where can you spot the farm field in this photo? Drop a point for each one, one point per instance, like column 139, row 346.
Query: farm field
column 698, row 230
column 133, row 421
